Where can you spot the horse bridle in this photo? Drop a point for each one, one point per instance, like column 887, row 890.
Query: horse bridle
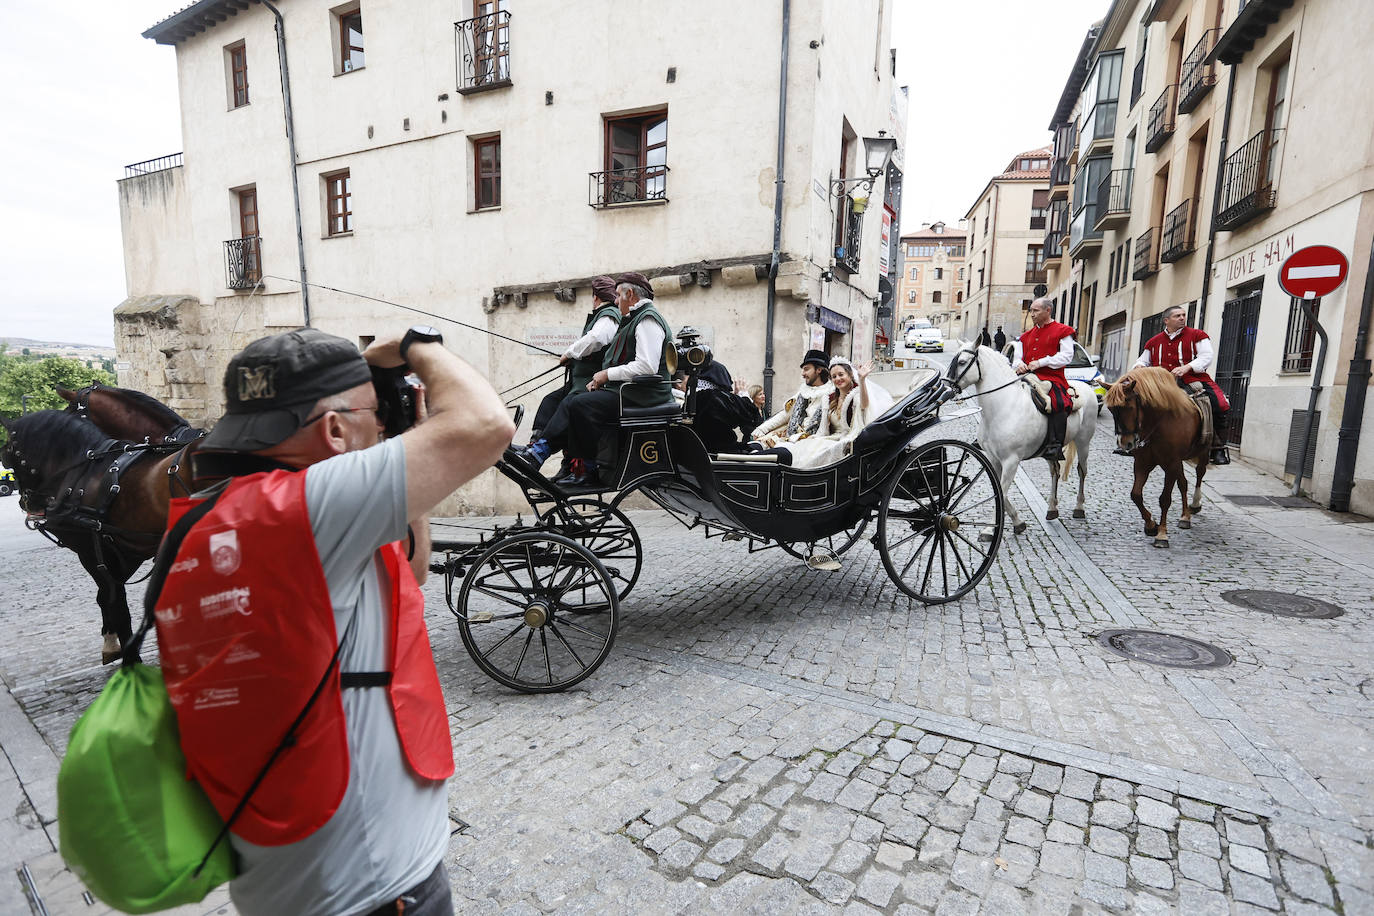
column 1141, row 440
column 953, row 380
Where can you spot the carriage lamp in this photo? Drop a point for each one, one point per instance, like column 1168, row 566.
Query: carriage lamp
column 877, row 153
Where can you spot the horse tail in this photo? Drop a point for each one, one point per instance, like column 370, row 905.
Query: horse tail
column 1070, row 455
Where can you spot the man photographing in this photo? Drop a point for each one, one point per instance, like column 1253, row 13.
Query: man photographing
column 291, row 627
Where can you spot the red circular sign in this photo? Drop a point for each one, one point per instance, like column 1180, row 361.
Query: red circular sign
column 1313, row 272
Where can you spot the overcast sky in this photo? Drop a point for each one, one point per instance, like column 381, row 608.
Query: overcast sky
column 85, row 95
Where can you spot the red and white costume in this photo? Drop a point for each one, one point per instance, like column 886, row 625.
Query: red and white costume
column 1188, row 347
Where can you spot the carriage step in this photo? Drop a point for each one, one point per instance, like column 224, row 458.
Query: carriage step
column 823, row 560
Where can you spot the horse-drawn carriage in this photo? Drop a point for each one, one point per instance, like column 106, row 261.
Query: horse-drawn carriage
column 538, row 602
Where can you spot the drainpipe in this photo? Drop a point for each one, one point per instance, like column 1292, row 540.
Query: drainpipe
column 778, row 183
column 1312, row 399
column 1216, row 196
column 1356, row 384
column 291, row 144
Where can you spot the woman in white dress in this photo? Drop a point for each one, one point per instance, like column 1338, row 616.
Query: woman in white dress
column 853, row 405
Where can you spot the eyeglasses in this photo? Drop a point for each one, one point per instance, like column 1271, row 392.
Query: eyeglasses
column 380, row 411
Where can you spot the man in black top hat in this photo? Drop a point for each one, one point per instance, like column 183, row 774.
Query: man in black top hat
column 801, row 415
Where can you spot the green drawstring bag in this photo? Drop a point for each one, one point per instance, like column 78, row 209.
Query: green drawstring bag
column 133, row 828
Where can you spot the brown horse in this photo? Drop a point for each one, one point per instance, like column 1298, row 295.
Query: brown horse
column 1161, row 427
column 103, row 498
column 123, row 413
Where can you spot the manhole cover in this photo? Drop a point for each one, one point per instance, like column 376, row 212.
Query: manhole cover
column 1163, row 649
column 1250, row 500
column 1282, row 604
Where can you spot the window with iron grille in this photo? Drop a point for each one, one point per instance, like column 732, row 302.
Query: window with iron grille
column 338, row 203
column 238, row 75
column 1301, row 337
column 486, row 160
column 351, row 41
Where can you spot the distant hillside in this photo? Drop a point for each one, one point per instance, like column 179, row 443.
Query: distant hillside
column 16, row 343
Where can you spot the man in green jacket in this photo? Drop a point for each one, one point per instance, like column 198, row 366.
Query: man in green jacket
column 583, row 357
column 639, row 349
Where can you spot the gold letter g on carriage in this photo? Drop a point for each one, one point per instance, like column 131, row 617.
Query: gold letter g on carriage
column 648, row 453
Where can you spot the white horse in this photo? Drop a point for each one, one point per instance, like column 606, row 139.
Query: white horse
column 1011, row 429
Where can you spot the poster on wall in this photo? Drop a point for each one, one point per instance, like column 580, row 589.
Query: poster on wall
column 885, row 249
column 817, row 340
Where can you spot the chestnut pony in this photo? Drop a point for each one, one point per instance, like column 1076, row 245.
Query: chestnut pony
column 1160, row 426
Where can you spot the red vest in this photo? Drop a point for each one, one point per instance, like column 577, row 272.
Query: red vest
column 1171, row 353
column 246, row 631
column 1038, row 343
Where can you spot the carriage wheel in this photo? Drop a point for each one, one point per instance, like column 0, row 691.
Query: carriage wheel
column 940, row 523
column 607, row 532
column 836, row 544
column 538, row 612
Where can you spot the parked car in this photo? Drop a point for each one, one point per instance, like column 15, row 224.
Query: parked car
column 7, row 482
column 929, row 340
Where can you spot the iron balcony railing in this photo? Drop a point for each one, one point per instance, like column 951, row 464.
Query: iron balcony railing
column 1199, row 75
column 1178, row 238
column 646, row 184
column 483, row 52
column 1054, row 239
column 1146, row 259
column 1114, row 196
column 149, row 166
column 243, row 262
column 1160, row 123
column 1035, row 276
column 1137, row 81
column 1248, row 180
column 847, row 255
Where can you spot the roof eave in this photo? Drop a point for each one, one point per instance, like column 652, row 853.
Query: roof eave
column 194, row 19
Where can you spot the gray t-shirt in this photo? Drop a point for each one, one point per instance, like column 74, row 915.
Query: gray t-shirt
column 391, row 828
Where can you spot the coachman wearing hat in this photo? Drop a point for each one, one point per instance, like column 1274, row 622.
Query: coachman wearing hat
column 583, row 358
column 801, row 416
column 291, row 598
column 638, row 350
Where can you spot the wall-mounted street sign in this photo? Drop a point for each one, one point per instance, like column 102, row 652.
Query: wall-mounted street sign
column 1313, row 272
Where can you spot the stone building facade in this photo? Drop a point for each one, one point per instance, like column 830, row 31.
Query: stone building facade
column 931, row 284
column 477, row 174
column 1005, row 236
column 1192, row 156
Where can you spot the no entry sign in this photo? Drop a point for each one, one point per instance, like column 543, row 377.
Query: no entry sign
column 1312, row 272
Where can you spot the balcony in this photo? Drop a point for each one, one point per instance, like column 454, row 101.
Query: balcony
column 243, row 262
column 483, row 52
column 1160, row 122
column 1054, row 241
column 149, row 166
column 1114, row 198
column 1035, row 276
column 1060, row 179
column 1248, row 180
column 1179, row 237
column 646, row 184
column 1137, row 81
column 1145, row 263
column 1199, row 75
column 1082, row 234
column 847, row 255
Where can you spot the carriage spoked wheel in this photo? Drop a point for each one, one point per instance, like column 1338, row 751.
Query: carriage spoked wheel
column 538, row 611
column 607, row 532
column 834, row 546
column 940, row 523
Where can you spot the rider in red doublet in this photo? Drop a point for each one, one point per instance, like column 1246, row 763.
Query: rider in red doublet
column 1041, row 350
column 1187, row 352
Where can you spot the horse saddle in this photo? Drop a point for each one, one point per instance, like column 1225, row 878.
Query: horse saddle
column 1207, row 431
column 1041, row 395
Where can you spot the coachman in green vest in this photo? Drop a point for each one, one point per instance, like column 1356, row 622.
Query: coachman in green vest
column 634, row 370
column 585, row 355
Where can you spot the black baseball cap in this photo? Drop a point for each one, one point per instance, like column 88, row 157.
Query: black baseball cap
column 272, row 385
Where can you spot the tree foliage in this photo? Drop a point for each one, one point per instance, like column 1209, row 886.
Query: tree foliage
column 39, row 379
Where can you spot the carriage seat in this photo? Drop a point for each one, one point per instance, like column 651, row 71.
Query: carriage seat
column 634, row 416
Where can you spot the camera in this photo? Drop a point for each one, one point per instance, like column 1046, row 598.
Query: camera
column 395, row 398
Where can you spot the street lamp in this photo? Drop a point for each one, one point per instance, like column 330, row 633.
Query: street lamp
column 877, row 152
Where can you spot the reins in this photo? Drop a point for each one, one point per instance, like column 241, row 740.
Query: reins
column 962, row 372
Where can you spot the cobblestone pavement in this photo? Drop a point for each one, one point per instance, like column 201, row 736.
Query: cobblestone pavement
column 765, row 738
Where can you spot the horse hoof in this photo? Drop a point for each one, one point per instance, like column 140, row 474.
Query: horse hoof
column 1019, row 528
column 1185, row 523
column 109, row 649
column 1051, row 515
column 1161, row 542
column 1151, row 530
column 1079, row 513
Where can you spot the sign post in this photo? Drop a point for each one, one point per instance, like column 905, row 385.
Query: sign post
column 1308, row 274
